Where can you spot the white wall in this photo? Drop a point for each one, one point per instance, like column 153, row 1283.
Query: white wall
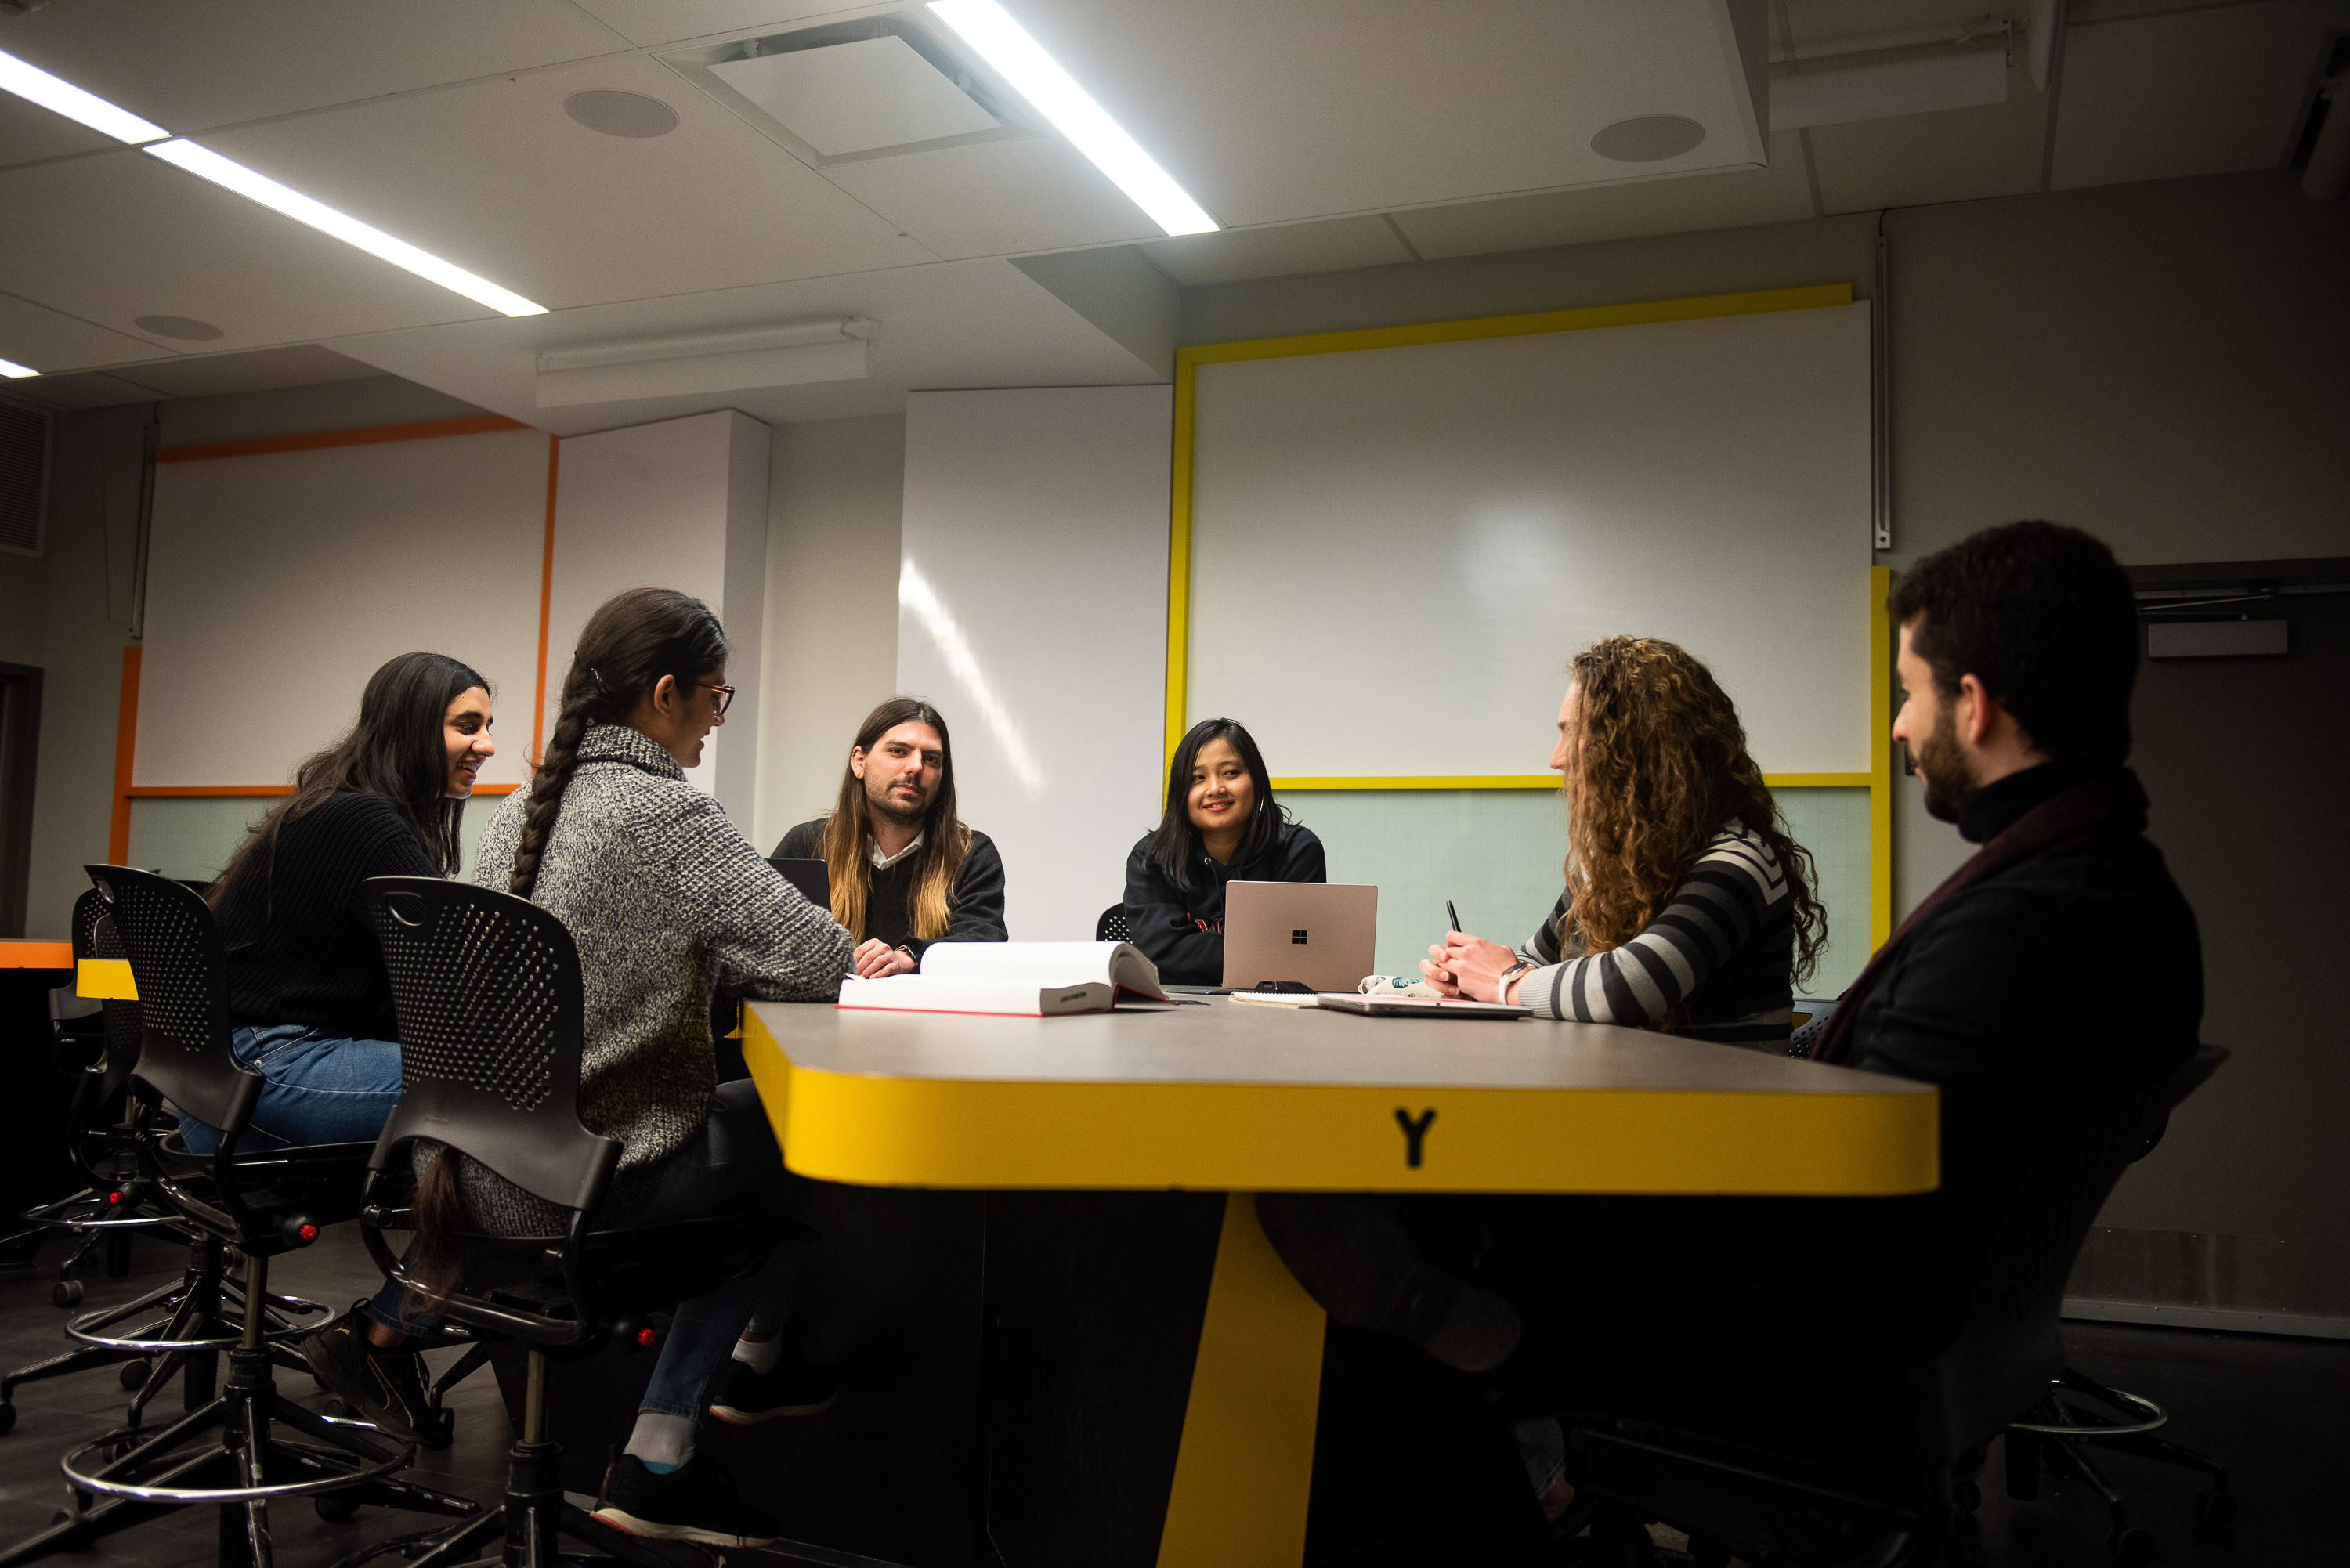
column 278, row 584
column 833, row 505
column 1033, row 605
column 679, row 505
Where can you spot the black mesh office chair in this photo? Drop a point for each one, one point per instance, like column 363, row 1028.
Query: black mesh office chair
column 2008, row 1356
column 228, row 1452
column 1112, row 926
column 491, row 1027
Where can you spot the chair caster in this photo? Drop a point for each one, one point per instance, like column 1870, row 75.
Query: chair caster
column 134, row 1374
column 2131, row 1546
column 1963, row 1552
column 335, row 1508
column 2214, row 1508
column 7, row 1418
column 67, row 1292
column 1708, row 1553
column 1966, row 1497
column 336, row 1407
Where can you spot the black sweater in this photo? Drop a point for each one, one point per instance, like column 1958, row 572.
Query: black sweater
column 300, row 948
column 974, row 904
column 1184, row 932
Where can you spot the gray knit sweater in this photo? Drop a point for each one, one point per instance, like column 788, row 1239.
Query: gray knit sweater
column 667, row 900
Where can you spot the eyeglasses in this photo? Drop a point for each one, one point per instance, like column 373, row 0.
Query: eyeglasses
column 725, row 696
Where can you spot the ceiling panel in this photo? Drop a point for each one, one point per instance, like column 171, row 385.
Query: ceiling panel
column 123, row 235
column 1816, row 27
column 83, row 389
column 1335, row 245
column 261, row 370
column 961, row 324
column 2195, row 92
column 47, row 339
column 187, row 67
column 29, row 131
column 1778, row 194
column 498, row 178
column 1318, row 108
column 1946, row 155
column 1001, row 197
column 647, row 22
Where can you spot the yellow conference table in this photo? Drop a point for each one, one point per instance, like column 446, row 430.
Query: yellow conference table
column 1240, row 1098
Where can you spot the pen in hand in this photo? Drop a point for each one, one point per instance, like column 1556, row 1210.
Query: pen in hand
column 1453, row 914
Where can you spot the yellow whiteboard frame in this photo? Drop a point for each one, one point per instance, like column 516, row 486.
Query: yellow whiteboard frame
column 1877, row 778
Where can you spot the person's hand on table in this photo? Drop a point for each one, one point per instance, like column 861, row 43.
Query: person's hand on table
column 875, row 959
column 1468, row 966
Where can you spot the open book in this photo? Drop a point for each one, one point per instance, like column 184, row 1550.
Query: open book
column 1023, row 979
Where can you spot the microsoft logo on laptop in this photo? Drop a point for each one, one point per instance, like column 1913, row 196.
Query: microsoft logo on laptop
column 1298, row 939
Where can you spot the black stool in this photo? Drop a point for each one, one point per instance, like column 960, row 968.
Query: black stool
column 227, row 1452
column 491, row 1027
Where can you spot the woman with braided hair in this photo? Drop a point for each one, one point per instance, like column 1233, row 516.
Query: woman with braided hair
column 669, row 904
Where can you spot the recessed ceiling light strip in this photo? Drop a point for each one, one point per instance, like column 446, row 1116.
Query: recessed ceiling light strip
column 31, row 82
column 234, row 176
column 1040, row 78
column 14, row 371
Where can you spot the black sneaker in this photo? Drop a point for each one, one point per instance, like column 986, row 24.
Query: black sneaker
column 794, row 1386
column 694, row 1502
column 387, row 1386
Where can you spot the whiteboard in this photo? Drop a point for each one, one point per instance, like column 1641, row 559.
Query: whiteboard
column 1395, row 550
column 1032, row 608
column 277, row 583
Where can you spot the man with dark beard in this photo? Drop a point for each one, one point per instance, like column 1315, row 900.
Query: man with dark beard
column 2059, row 967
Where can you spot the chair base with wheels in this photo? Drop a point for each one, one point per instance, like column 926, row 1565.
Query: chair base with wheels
column 2059, row 1429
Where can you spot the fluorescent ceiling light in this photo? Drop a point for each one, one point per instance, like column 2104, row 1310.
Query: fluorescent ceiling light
column 30, row 82
column 14, row 371
column 236, row 177
column 1882, row 91
column 1039, row 78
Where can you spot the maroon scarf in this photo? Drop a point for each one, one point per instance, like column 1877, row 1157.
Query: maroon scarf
column 2095, row 811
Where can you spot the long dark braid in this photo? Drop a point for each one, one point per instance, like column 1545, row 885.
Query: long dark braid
column 628, row 644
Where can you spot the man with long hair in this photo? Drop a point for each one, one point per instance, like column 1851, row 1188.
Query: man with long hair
column 905, row 871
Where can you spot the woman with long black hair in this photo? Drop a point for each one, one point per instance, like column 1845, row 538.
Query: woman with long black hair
column 668, row 903
column 308, row 1000
column 1221, row 825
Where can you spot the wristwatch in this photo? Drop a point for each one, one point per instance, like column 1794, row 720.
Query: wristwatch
column 1502, row 992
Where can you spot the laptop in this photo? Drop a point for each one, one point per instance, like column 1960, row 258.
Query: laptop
column 810, row 877
column 1322, row 934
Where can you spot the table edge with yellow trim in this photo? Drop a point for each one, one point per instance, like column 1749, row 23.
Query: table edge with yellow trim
column 1246, row 1099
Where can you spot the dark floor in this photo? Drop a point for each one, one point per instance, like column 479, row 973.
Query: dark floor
column 2277, row 1409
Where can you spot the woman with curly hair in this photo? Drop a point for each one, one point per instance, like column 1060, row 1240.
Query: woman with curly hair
column 1687, row 907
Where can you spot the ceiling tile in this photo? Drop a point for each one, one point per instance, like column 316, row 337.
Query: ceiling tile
column 82, row 389
column 261, row 370
column 1853, row 27
column 1335, row 245
column 647, row 22
column 28, row 132
column 995, row 199
column 190, row 66
column 1778, row 194
column 122, row 234
column 496, row 177
column 1323, row 108
column 2194, row 92
column 49, row 340
column 1946, row 155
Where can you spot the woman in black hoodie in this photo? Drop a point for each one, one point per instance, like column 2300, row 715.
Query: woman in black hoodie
column 1221, row 825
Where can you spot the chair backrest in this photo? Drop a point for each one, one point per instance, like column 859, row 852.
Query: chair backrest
column 1112, row 926
column 492, row 1023
column 178, row 965
column 2009, row 1344
column 94, row 937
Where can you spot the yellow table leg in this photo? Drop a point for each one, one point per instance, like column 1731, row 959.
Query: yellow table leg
column 1246, row 1463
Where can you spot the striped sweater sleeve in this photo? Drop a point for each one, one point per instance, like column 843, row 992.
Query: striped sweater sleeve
column 1733, row 891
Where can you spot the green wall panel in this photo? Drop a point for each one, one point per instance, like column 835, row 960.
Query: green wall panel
column 193, row 835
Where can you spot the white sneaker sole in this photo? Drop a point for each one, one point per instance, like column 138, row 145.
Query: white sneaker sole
column 733, row 1416
column 628, row 1524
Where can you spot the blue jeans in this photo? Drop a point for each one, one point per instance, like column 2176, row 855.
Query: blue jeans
column 733, row 1166
column 316, row 1087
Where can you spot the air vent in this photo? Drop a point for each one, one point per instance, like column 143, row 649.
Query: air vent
column 23, row 466
column 878, row 86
